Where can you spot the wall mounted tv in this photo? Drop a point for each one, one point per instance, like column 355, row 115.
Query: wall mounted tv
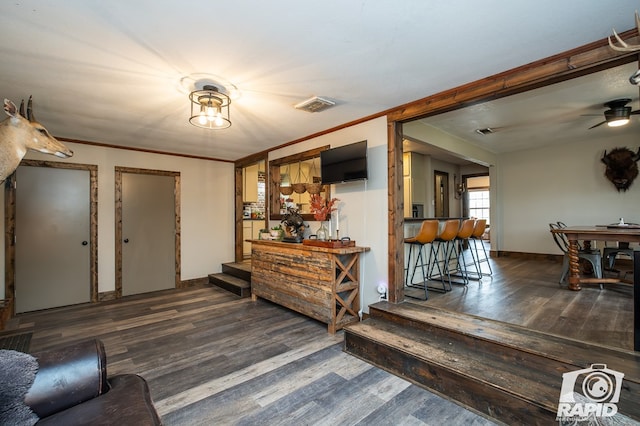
column 344, row 163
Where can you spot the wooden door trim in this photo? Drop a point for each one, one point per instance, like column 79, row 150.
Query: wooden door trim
column 573, row 63
column 10, row 227
column 238, row 198
column 118, row 221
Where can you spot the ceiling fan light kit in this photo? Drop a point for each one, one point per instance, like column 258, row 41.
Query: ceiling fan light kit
column 618, row 113
column 210, row 108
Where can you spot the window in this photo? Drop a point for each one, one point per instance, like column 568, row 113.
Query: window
column 479, row 203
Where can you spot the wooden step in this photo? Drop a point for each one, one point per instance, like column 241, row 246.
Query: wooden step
column 231, row 283
column 506, row 372
column 240, row 270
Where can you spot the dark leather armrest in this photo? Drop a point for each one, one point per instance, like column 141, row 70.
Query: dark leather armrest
column 128, row 402
column 67, row 377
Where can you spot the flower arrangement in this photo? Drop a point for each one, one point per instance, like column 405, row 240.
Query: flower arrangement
column 321, row 207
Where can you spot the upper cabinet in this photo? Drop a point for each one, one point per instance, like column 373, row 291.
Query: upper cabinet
column 292, row 180
column 415, row 181
column 250, row 183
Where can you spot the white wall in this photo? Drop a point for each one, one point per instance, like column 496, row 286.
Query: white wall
column 363, row 204
column 559, row 182
column 207, row 208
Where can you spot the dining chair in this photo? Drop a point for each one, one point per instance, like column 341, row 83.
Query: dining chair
column 609, row 254
column 592, row 256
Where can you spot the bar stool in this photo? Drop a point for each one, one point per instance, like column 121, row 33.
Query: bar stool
column 462, row 238
column 426, row 235
column 444, row 243
column 476, row 236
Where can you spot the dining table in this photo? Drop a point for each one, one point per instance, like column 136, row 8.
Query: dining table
column 620, row 233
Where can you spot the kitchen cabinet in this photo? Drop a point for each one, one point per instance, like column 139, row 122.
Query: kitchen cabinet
column 414, row 180
column 250, row 231
column 250, row 183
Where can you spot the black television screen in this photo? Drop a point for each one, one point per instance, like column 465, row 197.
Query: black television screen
column 344, row 163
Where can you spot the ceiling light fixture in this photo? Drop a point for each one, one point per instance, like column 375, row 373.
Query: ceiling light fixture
column 210, row 108
column 617, row 117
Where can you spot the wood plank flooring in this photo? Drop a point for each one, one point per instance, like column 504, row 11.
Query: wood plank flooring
column 527, row 293
column 213, row 358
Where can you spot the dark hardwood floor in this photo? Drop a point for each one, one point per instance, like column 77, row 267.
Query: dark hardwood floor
column 527, row 293
column 213, row 358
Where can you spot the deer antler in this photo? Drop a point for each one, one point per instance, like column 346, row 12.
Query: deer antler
column 624, row 47
column 30, row 115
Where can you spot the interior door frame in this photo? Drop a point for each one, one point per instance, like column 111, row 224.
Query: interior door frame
column 573, row 63
column 441, row 194
column 10, row 227
column 118, row 222
column 238, row 209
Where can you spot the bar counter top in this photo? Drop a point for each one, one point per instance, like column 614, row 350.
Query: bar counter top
column 300, row 246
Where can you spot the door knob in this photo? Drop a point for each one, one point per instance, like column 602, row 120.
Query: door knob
column 84, row 243
column 126, row 240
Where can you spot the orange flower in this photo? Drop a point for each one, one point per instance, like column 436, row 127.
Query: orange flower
column 321, row 207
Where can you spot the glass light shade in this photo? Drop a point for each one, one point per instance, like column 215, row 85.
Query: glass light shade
column 209, row 108
column 617, row 122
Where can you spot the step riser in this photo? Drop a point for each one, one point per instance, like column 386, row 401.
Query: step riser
column 490, row 401
column 242, row 292
column 522, row 359
column 236, row 272
column 433, row 348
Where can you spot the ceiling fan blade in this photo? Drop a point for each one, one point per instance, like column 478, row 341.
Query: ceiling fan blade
column 636, row 112
column 599, row 124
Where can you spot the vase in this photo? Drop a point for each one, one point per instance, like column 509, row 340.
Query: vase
column 322, row 233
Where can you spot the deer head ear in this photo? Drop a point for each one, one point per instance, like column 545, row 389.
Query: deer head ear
column 10, row 108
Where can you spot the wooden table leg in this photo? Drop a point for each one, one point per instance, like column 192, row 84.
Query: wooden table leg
column 574, row 266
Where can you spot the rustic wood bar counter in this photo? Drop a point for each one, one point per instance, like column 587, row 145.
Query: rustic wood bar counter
column 320, row 282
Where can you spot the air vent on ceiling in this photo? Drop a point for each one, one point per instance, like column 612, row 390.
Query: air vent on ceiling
column 485, row 131
column 314, row 104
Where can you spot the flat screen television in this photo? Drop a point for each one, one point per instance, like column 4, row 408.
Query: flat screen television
column 344, row 163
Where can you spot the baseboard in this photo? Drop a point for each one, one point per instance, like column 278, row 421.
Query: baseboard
column 6, row 311
column 194, row 282
column 528, row 256
column 106, row 296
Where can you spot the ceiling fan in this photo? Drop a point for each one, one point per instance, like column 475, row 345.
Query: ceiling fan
column 618, row 113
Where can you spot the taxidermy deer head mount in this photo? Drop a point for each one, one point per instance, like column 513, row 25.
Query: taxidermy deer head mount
column 19, row 134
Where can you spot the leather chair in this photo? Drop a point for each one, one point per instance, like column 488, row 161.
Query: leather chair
column 476, row 237
column 425, row 236
column 71, row 388
column 462, row 239
column 444, row 248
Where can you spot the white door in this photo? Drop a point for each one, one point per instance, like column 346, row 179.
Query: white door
column 52, row 238
column 148, row 233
